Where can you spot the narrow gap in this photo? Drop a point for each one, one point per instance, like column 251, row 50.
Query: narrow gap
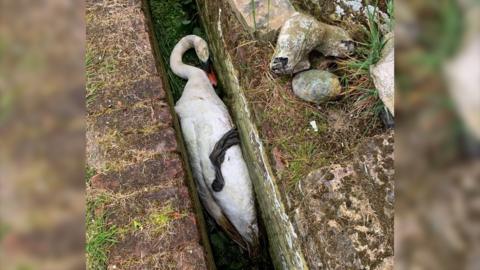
column 172, row 20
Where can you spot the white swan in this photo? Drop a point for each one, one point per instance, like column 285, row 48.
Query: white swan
column 204, row 120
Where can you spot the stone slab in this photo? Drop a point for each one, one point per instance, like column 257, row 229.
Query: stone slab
column 262, row 16
column 132, row 146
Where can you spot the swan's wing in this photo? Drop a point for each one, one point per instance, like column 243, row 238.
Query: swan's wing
column 189, row 133
column 208, row 201
column 204, row 120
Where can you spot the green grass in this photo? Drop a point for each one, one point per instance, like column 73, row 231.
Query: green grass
column 91, row 87
column 391, row 14
column 252, row 2
column 101, row 236
column 356, row 70
column 369, row 52
column 96, row 68
column 302, row 161
column 89, row 173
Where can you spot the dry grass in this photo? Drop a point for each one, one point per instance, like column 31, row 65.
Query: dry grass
column 283, row 119
column 109, row 66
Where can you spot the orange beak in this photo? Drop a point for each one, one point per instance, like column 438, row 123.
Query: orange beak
column 207, row 67
column 213, row 78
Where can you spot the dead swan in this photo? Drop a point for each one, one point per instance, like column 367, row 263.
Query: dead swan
column 301, row 34
column 207, row 128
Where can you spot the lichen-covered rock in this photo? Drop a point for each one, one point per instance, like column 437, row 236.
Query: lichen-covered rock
column 346, row 218
column 262, row 16
column 316, row 85
column 352, row 15
column 300, row 35
column 383, row 74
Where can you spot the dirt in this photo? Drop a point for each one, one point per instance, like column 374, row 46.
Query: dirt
column 132, row 147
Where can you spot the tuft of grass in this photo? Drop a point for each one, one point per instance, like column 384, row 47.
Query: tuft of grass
column 96, row 66
column 391, row 14
column 91, row 87
column 356, row 71
column 370, row 52
column 100, row 236
column 161, row 219
column 252, row 2
column 89, row 173
column 301, row 161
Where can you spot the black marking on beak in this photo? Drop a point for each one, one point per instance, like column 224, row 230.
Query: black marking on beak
column 217, row 156
column 207, row 66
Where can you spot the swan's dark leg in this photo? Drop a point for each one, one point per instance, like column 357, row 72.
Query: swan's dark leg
column 217, row 156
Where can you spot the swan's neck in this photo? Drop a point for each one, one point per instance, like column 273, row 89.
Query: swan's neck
column 176, row 63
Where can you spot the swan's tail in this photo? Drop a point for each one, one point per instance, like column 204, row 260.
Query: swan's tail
column 176, row 64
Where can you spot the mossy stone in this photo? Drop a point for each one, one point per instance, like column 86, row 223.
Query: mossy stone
column 316, row 85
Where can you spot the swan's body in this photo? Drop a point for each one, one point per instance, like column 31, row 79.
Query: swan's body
column 204, row 120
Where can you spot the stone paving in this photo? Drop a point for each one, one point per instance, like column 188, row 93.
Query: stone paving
column 132, row 147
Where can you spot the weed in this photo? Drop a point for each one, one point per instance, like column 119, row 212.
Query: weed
column 356, row 71
column 91, row 88
column 161, row 219
column 89, row 173
column 96, row 66
column 391, row 14
column 303, row 156
column 100, row 235
column 137, row 225
column 252, row 2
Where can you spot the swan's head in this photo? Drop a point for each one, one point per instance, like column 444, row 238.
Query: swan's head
column 201, row 48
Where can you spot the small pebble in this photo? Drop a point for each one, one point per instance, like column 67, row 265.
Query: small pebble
column 314, row 125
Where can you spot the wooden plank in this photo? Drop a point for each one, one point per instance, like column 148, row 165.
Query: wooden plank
column 284, row 245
